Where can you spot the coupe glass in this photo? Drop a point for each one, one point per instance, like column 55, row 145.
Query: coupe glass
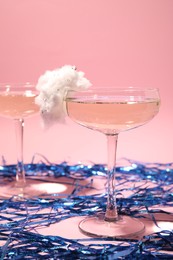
column 17, row 101
column 111, row 111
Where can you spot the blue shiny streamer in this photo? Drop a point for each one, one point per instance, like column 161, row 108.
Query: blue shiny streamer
column 20, row 218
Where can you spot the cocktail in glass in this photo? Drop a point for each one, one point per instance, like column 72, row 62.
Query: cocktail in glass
column 17, row 101
column 111, row 111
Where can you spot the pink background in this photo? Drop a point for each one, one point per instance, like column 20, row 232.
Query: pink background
column 116, row 43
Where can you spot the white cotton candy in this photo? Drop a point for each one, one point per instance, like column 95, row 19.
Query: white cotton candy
column 52, row 87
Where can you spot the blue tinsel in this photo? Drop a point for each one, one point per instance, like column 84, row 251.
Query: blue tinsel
column 17, row 226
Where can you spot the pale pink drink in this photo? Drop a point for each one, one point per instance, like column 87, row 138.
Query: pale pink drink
column 111, row 117
column 111, row 111
column 17, row 105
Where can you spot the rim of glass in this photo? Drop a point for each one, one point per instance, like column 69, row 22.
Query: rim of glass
column 18, row 87
column 112, row 89
column 15, row 84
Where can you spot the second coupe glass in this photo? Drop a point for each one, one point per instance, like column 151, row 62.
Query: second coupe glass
column 17, row 101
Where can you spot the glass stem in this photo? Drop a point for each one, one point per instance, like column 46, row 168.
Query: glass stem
column 111, row 209
column 20, row 173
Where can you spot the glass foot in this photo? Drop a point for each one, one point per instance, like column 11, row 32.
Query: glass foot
column 31, row 189
column 8, row 191
column 96, row 226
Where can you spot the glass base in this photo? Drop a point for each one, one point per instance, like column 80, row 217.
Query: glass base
column 96, row 226
column 8, row 191
column 32, row 188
